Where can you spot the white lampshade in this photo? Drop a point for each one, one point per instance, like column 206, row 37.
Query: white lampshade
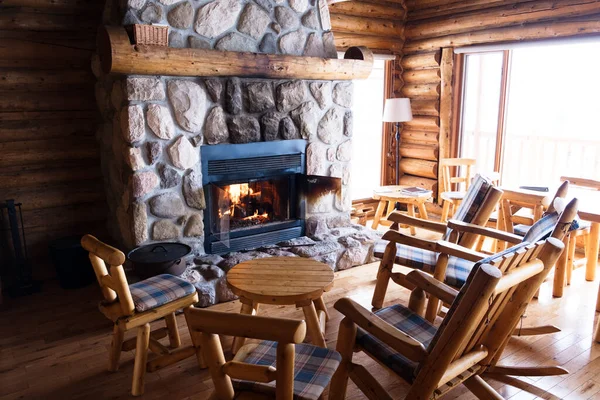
column 397, row 110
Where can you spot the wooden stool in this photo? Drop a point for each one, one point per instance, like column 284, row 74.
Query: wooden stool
column 283, row 281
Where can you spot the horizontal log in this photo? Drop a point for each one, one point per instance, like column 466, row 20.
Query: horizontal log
column 421, row 61
column 55, row 4
column 344, row 40
column 86, row 191
column 47, row 101
column 46, row 80
column 410, row 136
column 119, row 56
column 441, row 8
column 22, row 19
column 370, row 10
column 421, row 90
column 33, row 129
column 75, row 215
column 575, row 28
column 510, row 15
column 429, row 184
column 431, row 75
column 423, row 168
column 430, row 124
column 426, row 107
column 48, row 115
column 17, row 53
column 47, row 151
column 419, row 151
column 36, row 176
column 364, row 25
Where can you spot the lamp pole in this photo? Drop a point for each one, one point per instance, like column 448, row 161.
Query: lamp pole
column 397, row 153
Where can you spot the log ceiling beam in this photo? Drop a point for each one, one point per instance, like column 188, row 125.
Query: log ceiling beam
column 388, row 11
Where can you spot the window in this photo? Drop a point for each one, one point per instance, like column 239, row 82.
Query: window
column 367, row 137
column 532, row 115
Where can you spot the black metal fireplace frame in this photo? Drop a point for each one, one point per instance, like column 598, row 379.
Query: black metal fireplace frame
column 235, row 163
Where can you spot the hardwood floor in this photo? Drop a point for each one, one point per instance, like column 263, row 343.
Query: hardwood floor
column 54, row 345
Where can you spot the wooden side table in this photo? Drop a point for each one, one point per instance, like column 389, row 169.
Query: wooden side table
column 390, row 195
column 284, row 281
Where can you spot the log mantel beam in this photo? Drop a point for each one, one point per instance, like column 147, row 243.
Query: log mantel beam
column 119, row 56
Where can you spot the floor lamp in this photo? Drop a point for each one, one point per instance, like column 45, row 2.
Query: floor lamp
column 397, row 110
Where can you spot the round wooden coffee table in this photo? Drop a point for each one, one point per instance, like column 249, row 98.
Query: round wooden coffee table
column 284, row 281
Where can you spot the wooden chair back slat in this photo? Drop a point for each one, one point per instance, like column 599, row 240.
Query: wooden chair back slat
column 114, row 284
column 494, row 195
column 450, row 166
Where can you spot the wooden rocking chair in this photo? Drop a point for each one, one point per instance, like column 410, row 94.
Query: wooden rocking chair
column 469, row 341
column 279, row 367
column 135, row 307
column 476, row 207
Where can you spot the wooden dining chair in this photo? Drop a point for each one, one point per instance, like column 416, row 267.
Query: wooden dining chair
column 434, row 361
column 135, row 307
column 280, row 366
column 456, row 178
column 397, row 248
column 583, row 228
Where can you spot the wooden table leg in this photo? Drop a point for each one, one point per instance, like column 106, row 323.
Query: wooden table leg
column 411, row 212
column 592, row 253
column 248, row 308
column 320, row 305
column 313, row 325
column 560, row 270
column 378, row 214
column 422, row 210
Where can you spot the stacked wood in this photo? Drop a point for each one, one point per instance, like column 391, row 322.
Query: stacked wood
column 48, row 117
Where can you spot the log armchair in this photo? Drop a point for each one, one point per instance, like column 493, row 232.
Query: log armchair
column 467, row 344
column 476, row 207
column 279, row 367
column 455, row 263
column 135, row 307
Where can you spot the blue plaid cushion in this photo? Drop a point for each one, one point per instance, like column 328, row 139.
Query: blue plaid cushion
column 408, row 322
column 159, row 290
column 409, row 256
column 542, row 229
column 469, row 207
column 313, row 368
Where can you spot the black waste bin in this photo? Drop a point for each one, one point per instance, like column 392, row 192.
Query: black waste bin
column 72, row 263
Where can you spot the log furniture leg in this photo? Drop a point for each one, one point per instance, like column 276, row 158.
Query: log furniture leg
column 313, row 325
column 411, row 212
column 571, row 256
column 345, row 346
column 445, row 211
column 141, row 357
column 378, row 214
column 560, row 270
column 422, row 211
column 248, row 308
column 481, row 389
column 174, row 339
column 593, row 246
column 115, row 348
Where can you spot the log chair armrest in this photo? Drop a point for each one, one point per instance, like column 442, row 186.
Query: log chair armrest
column 400, row 238
column 404, row 219
column 432, row 286
column 395, row 338
column 249, row 326
column 459, row 251
column 480, row 230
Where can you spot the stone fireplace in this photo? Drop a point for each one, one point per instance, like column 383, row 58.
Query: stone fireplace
column 158, row 130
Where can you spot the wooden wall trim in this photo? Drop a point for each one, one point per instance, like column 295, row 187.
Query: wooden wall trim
column 446, row 115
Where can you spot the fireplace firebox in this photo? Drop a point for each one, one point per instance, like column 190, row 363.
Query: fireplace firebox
column 252, row 194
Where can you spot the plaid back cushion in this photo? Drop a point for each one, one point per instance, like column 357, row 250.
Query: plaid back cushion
column 471, row 203
column 159, row 290
column 406, row 321
column 313, row 368
column 542, row 229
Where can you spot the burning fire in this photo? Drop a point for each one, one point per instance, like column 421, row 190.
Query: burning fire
column 236, row 193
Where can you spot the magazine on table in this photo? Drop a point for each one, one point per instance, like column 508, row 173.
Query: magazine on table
column 416, row 191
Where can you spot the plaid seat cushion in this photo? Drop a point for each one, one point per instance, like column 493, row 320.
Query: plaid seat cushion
column 409, row 256
column 159, row 290
column 313, row 368
column 408, row 322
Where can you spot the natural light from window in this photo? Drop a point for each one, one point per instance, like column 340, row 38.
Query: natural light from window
column 551, row 122
column 367, row 111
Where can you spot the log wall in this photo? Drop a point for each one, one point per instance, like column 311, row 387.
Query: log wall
column 49, row 157
column 426, row 69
